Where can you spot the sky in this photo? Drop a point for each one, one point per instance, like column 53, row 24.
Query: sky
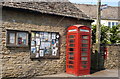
column 108, row 2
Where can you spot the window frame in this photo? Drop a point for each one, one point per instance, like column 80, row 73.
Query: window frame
column 8, row 44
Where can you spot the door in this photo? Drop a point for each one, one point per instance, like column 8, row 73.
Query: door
column 70, row 54
column 84, row 52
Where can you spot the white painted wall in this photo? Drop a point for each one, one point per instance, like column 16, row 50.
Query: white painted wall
column 105, row 22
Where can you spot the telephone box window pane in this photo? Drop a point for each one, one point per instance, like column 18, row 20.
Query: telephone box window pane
column 84, row 41
column 71, row 41
column 84, row 49
column 72, row 36
column 12, row 38
column 84, row 66
column 83, row 30
column 84, row 58
column 72, row 30
column 72, row 45
column 71, row 49
column 84, row 45
column 71, row 58
column 83, row 54
column 70, row 66
column 85, row 37
column 71, row 53
column 84, row 62
column 22, row 39
column 71, row 62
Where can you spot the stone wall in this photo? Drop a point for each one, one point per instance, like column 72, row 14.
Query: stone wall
column 1, row 29
column 112, row 60
column 16, row 61
column 99, row 62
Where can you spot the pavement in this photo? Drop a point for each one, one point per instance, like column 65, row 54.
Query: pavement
column 102, row 73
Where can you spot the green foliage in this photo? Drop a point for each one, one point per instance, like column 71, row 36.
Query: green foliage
column 115, row 34
column 93, row 34
column 104, row 36
column 108, row 35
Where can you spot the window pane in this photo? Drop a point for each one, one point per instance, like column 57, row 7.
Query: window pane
column 72, row 30
column 84, row 41
column 22, row 38
column 83, row 54
column 84, row 58
column 113, row 23
column 71, row 49
column 71, row 62
column 72, row 36
column 71, row 41
column 71, row 45
column 84, row 62
column 70, row 66
column 84, row 30
column 71, row 58
column 84, row 49
column 12, row 38
column 84, row 45
column 84, row 66
column 116, row 23
column 71, row 53
column 109, row 24
column 85, row 37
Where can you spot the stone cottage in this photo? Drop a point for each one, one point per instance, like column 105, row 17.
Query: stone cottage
column 33, row 36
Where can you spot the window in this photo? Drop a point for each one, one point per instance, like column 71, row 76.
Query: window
column 109, row 24
column 17, row 38
column 113, row 23
column 44, row 44
column 116, row 23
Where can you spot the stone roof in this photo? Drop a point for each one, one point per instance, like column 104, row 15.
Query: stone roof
column 91, row 11
column 57, row 8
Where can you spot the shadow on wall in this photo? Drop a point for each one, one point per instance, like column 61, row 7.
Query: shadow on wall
column 98, row 59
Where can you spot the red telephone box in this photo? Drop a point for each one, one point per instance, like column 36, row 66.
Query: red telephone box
column 78, row 50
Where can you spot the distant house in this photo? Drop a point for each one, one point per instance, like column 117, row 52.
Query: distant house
column 33, row 36
column 109, row 16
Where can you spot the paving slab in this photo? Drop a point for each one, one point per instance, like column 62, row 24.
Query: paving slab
column 102, row 73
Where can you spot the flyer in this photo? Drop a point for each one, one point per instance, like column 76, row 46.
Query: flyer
column 42, row 46
column 53, row 36
column 12, row 37
column 54, row 51
column 37, row 48
column 41, row 53
column 37, row 55
column 33, row 34
column 37, row 35
column 32, row 43
column 45, row 36
column 37, row 41
column 33, row 49
column 49, row 37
